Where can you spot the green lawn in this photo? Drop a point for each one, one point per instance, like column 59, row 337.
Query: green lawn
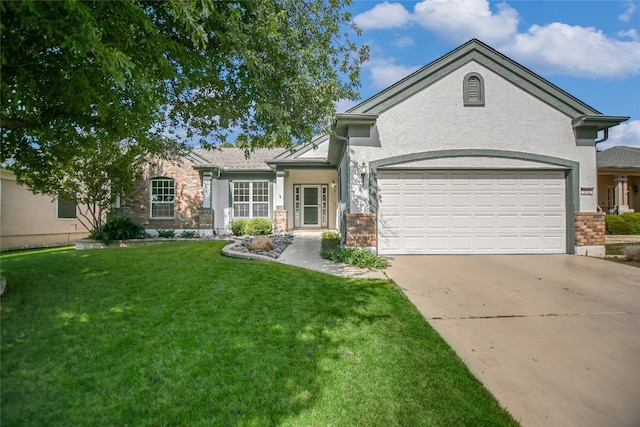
column 175, row 334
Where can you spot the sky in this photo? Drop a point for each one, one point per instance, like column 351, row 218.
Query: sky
column 590, row 49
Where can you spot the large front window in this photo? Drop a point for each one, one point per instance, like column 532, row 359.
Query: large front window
column 162, row 198
column 251, row 199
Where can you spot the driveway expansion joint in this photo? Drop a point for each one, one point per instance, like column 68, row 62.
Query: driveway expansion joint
column 513, row 316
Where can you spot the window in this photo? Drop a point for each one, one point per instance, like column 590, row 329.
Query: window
column 473, row 90
column 66, row 209
column 163, row 192
column 251, row 199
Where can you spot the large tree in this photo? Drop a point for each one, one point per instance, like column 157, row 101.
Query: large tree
column 75, row 73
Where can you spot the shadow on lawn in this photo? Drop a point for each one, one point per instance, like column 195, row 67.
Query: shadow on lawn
column 172, row 335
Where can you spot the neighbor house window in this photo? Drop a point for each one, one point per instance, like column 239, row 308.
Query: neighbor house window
column 473, row 90
column 251, row 199
column 163, row 192
column 66, row 209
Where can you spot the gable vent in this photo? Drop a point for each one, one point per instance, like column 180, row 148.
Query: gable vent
column 473, row 90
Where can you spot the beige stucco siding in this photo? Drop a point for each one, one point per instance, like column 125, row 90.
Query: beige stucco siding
column 511, row 120
column 29, row 220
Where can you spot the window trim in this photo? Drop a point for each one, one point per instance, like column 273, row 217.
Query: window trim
column 152, row 202
column 251, row 203
column 468, row 102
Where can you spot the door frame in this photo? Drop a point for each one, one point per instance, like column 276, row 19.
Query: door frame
column 322, row 205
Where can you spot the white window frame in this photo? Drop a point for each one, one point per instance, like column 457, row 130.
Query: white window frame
column 162, row 199
column 250, row 200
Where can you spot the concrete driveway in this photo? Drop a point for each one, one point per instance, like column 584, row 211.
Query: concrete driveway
column 555, row 338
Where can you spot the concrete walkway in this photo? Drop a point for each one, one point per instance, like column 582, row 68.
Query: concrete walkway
column 555, row 338
column 305, row 252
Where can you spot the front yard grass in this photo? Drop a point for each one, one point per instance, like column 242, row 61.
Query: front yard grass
column 175, row 334
column 616, row 249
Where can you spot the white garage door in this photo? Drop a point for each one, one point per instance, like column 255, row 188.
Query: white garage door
column 471, row 212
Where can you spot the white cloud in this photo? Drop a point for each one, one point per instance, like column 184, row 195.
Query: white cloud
column 631, row 34
column 383, row 15
column 577, row 51
column 460, row 21
column 626, row 16
column 404, row 42
column 627, row 134
column 385, row 71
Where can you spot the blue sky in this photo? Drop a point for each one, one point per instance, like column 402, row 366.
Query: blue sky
column 590, row 49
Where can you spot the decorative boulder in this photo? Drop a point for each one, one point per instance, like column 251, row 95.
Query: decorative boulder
column 260, row 243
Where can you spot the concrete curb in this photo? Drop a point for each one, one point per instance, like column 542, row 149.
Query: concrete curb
column 229, row 252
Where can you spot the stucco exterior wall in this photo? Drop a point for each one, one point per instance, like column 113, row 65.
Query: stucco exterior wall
column 31, row 220
column 510, row 120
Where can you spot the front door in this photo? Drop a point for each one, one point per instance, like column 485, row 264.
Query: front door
column 311, row 206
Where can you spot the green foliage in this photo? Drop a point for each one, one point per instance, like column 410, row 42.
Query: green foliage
column 330, row 239
column 167, row 234
column 189, row 234
column 624, row 224
column 330, row 235
column 120, row 228
column 355, row 256
column 258, row 226
column 82, row 80
column 238, row 226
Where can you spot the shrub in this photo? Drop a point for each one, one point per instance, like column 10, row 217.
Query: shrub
column 167, row 234
column 330, row 239
column 258, row 226
column 238, row 227
column 633, row 219
column 631, row 253
column 617, row 225
column 119, row 228
column 355, row 256
column 189, row 234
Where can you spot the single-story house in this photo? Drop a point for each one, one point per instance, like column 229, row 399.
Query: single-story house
column 619, row 179
column 32, row 220
column 473, row 153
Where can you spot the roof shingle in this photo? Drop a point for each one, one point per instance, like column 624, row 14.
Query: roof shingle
column 235, row 159
column 619, row 158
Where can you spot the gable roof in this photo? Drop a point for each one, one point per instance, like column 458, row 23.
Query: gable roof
column 475, row 50
column 619, row 158
column 234, row 159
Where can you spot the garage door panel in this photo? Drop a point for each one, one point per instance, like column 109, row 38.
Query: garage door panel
column 472, row 212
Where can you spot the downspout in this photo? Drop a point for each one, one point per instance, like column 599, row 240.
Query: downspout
column 605, row 136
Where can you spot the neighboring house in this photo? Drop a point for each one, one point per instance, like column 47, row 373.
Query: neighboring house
column 471, row 154
column 619, row 179
column 31, row 220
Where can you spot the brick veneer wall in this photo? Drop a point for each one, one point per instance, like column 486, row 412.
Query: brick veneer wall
column 188, row 199
column 360, row 230
column 590, row 228
column 280, row 221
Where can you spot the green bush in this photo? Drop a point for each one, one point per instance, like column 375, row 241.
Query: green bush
column 330, row 239
column 623, row 224
column 258, row 226
column 355, row 256
column 167, row 234
column 119, row 228
column 189, row 234
column 238, row 227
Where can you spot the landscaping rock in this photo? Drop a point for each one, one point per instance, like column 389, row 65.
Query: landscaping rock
column 260, row 243
column 279, row 242
column 3, row 284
